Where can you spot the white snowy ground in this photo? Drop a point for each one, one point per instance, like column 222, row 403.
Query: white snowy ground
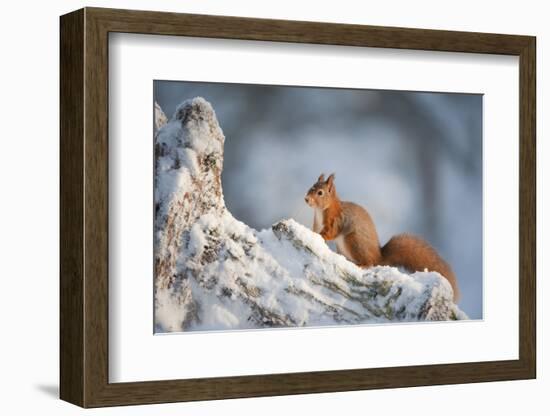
column 214, row 272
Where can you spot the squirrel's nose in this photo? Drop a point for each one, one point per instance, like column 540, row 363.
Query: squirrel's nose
column 307, row 200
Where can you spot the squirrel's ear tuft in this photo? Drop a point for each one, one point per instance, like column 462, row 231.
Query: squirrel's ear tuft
column 330, row 182
column 321, row 178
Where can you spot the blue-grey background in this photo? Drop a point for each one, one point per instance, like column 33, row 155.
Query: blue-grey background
column 412, row 159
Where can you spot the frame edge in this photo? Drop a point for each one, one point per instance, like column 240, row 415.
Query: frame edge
column 71, row 159
column 528, row 208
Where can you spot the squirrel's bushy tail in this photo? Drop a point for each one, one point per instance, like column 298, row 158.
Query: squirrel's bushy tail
column 415, row 254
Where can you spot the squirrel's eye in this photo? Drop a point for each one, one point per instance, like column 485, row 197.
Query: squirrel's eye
column 320, row 193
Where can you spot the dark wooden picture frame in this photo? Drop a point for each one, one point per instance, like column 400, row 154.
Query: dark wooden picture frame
column 84, row 207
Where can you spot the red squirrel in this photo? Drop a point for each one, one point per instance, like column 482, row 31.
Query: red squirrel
column 353, row 230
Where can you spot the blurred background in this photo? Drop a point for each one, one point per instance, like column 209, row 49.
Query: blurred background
column 412, row 159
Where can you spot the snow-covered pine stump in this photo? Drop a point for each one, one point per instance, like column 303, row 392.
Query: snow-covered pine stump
column 214, row 272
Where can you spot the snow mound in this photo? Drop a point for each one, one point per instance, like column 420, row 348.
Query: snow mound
column 214, row 272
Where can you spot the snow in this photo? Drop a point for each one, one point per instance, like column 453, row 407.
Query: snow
column 214, row 272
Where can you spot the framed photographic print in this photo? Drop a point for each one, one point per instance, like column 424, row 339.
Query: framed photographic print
column 255, row 207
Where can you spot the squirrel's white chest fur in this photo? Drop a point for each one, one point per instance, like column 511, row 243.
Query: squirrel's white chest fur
column 318, row 220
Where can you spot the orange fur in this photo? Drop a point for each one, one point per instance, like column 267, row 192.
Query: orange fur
column 415, row 254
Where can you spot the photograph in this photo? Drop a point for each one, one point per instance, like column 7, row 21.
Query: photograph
column 282, row 206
